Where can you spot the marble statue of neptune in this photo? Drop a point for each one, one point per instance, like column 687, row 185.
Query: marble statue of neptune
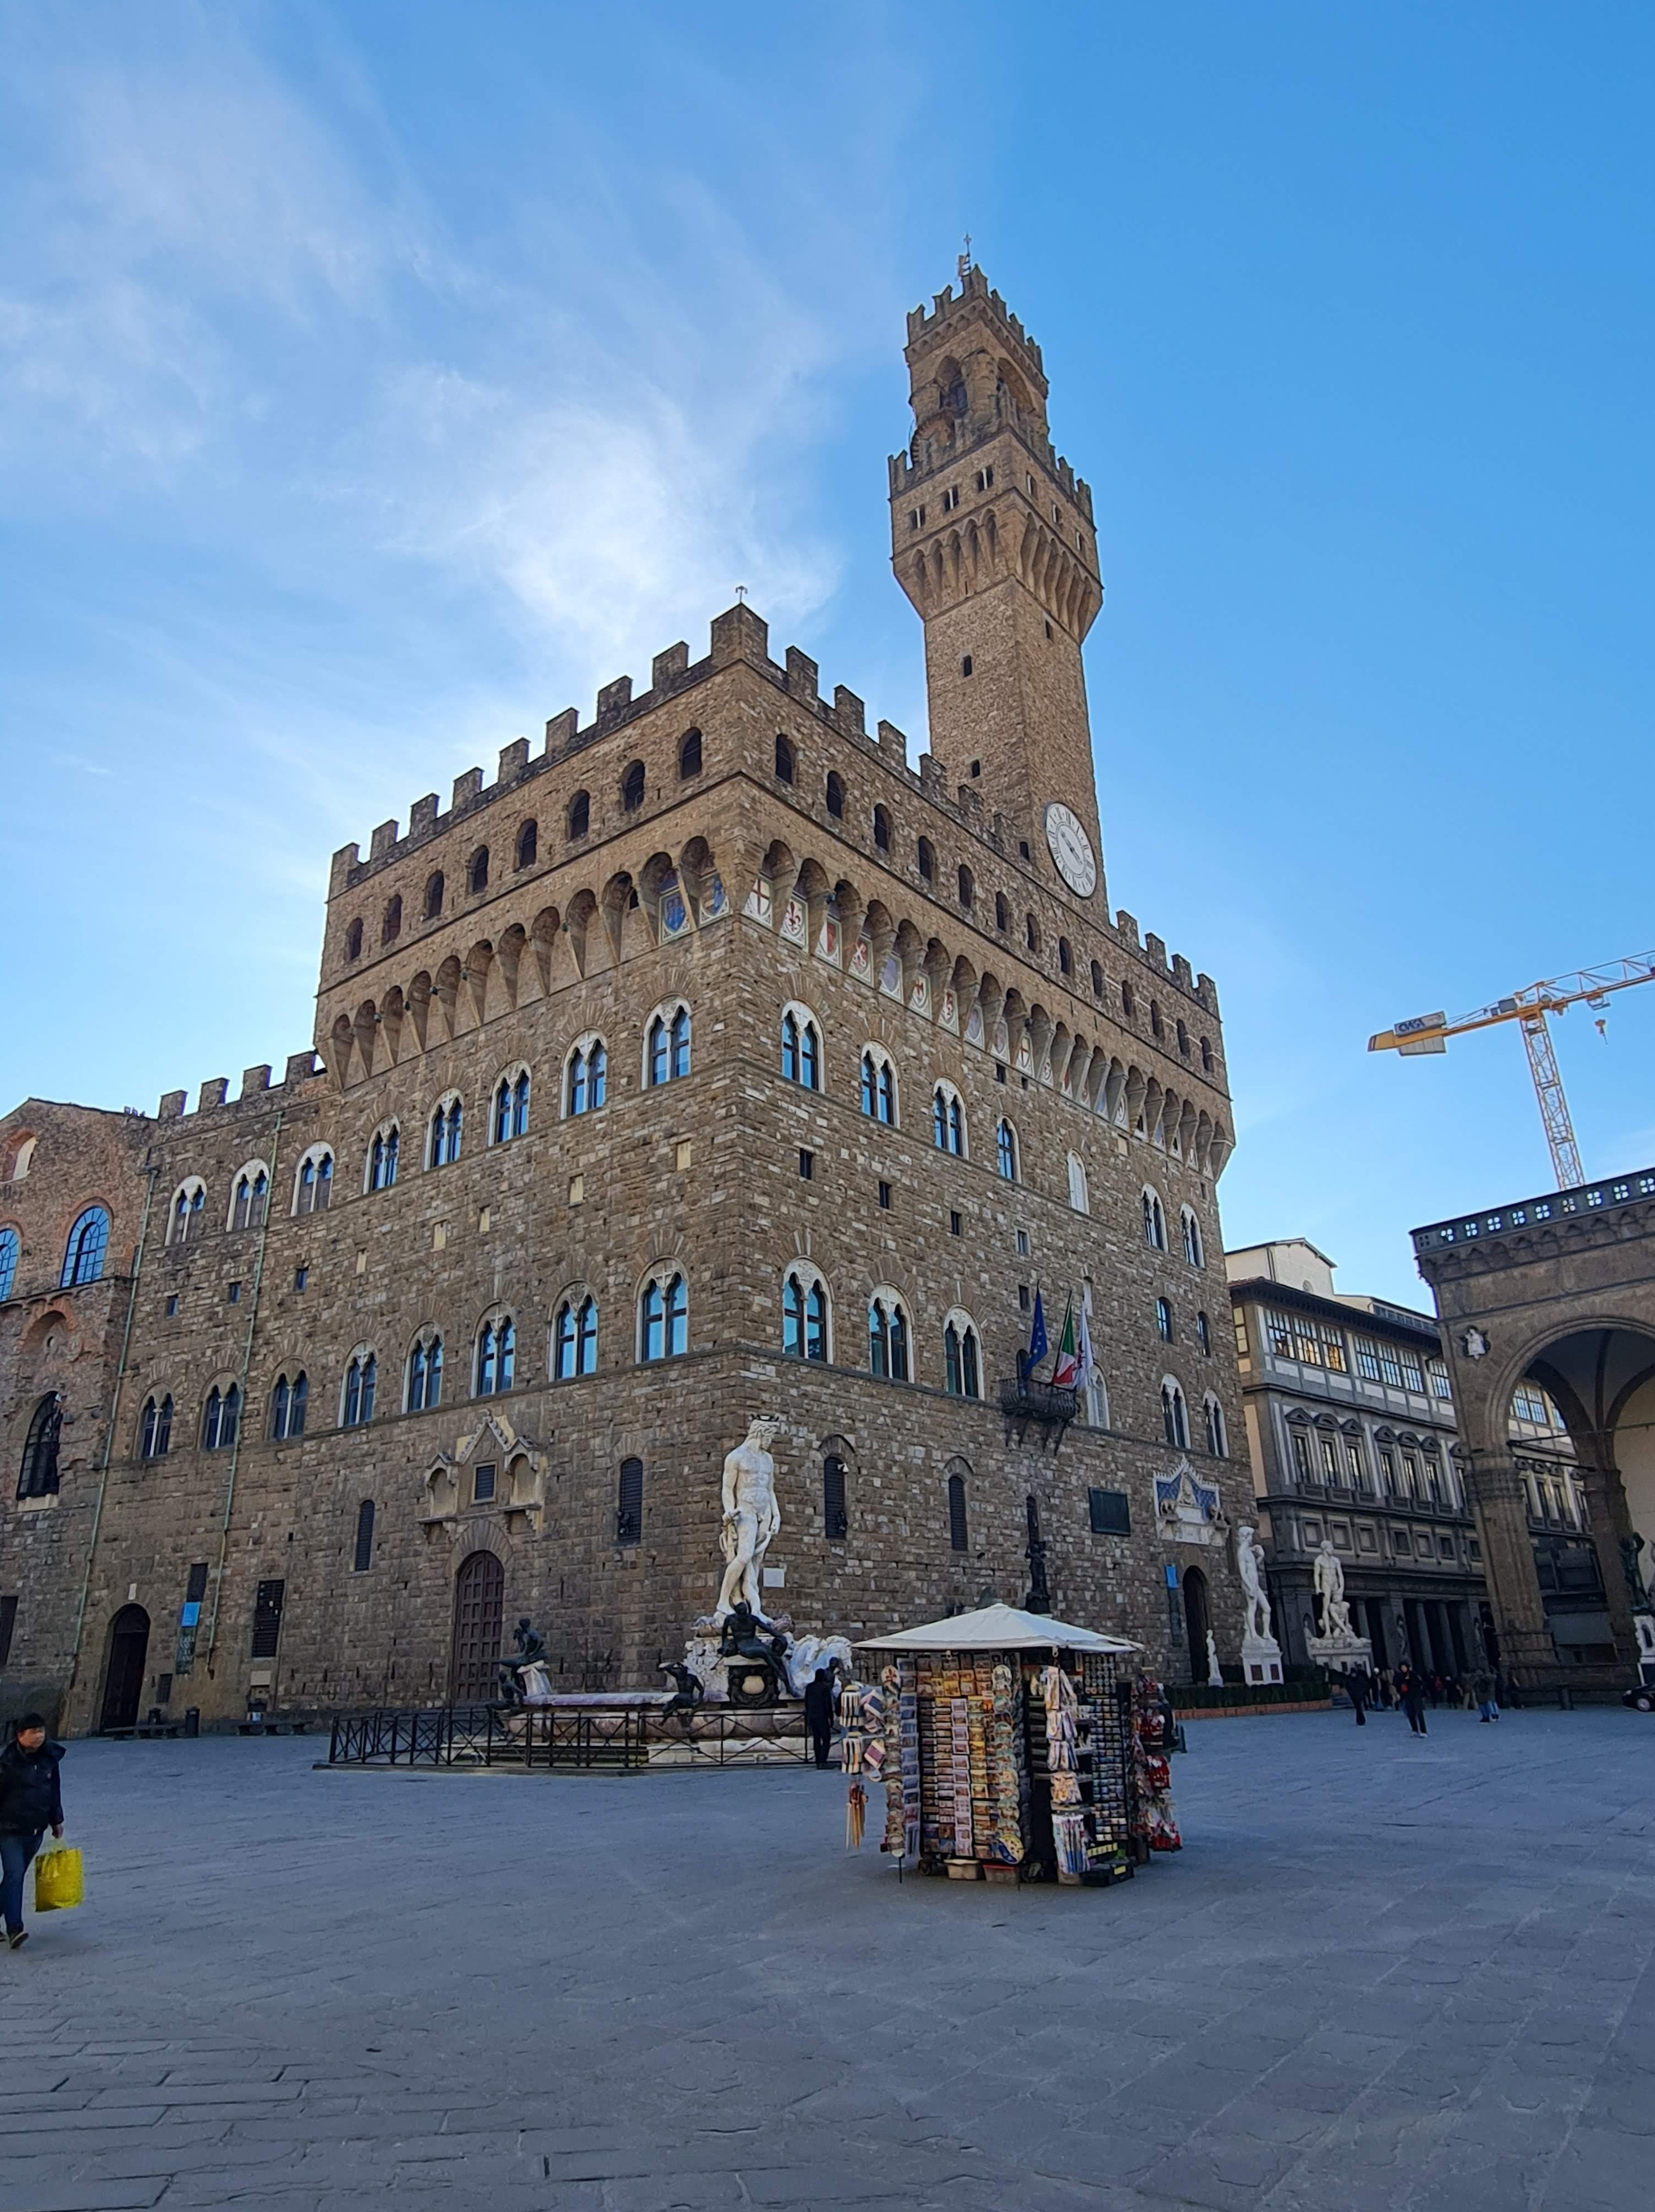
column 751, row 1516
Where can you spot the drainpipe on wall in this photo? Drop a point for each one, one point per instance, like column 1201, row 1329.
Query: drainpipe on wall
column 152, row 1169
column 247, row 1367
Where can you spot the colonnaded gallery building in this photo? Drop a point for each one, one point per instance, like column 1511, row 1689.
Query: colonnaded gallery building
column 710, row 1061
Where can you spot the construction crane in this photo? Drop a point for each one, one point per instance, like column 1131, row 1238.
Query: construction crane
column 1529, row 1008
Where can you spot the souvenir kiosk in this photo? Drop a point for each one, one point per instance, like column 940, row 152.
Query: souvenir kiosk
column 1011, row 1748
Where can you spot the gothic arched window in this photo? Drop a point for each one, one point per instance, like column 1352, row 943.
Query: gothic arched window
column 579, row 818
column 664, row 1318
column 881, row 829
column 84, row 1254
column 434, row 888
column 425, row 1375
column 286, row 1406
column 448, row 1123
column 248, row 1206
column 948, row 1121
column 1175, row 1417
column 221, row 1418
column 361, row 1380
column 879, row 1087
column 315, row 1183
column 496, row 1356
column 156, row 1432
column 1006, row 1150
column 958, row 1533
column 511, row 1107
column 688, row 755
column 382, row 1159
column 9, row 1247
column 576, row 1339
column 37, row 1477
column 801, row 1050
column 668, row 1052
column 1154, row 1217
column 783, row 759
column 836, row 795
column 528, row 844
column 804, row 1317
column 477, row 872
column 588, row 1077
column 632, row 787
column 887, row 1338
column 962, row 1359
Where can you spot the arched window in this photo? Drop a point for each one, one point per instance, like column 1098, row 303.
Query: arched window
column 1174, row 1419
column 1065, row 957
column 574, row 1342
column 579, row 818
column 959, row 1537
column 363, row 1558
column 1217, row 1442
column 286, row 1406
column 1001, row 918
column 221, row 1419
column 1006, row 1150
column 632, row 789
column 1128, row 1000
column 1193, row 1251
column 10, row 1248
column 882, row 828
column 353, row 940
column 801, row 1049
column 1182, row 1035
column 189, row 1213
column 783, row 759
column 1155, row 1029
column 948, row 1121
column 447, row 1122
column 928, row 860
column 249, row 1199
column 1097, row 981
column 89, row 1240
column 382, row 1159
column 1154, row 1217
column 688, row 755
column 629, row 1503
column 588, row 1077
column 528, row 844
column 511, row 1107
column 664, row 1318
column 156, row 1430
column 836, row 795
column 391, row 925
column 887, row 1337
column 962, row 1358
column 1079, row 1196
column 477, row 870
column 425, row 1375
column 434, row 888
column 804, row 1316
column 667, row 1047
column 1164, row 1324
column 878, row 1086
column 496, row 1356
column 314, row 1185
column 1207, row 1056
column 836, row 1504
column 1204, row 1334
column 361, row 1379
column 38, row 1475
column 1030, row 932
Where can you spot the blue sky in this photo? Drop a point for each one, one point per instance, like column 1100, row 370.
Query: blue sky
column 376, row 380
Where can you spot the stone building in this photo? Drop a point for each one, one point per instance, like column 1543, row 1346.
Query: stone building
column 1351, row 1433
column 1555, row 1295
column 710, row 1060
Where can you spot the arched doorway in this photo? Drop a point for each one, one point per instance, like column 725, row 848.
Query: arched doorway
column 123, row 1681
column 1197, row 1620
column 479, row 1609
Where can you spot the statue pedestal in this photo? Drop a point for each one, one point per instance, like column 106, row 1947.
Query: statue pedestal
column 1339, row 1654
column 1261, row 1659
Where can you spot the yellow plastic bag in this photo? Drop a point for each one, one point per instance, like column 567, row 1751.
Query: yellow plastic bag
column 57, row 1880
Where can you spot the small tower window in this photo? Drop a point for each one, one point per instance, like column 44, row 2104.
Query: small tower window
column 882, row 828
column 632, row 787
column 928, row 860
column 434, row 890
column 391, row 927
column 353, row 941
column 580, row 814
column 783, row 759
column 688, row 755
column 1000, row 916
column 965, row 665
column 1065, row 960
column 476, row 875
column 967, row 887
column 528, row 844
column 1097, row 981
column 836, row 797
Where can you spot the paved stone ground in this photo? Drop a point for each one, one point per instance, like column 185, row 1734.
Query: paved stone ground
column 1384, row 1976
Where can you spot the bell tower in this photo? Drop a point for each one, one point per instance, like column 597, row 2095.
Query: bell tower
column 992, row 539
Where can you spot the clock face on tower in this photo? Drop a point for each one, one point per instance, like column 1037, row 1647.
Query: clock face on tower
column 1071, row 850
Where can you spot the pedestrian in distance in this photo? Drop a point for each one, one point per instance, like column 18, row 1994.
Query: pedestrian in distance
column 819, row 1694
column 1483, row 1684
column 1411, row 1684
column 1358, row 1689
column 31, row 1801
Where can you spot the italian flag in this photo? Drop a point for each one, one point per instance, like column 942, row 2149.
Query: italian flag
column 1065, row 1369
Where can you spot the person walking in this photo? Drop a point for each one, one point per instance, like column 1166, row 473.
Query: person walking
column 1411, row 1684
column 819, row 1694
column 1483, row 1686
column 1358, row 1689
column 31, row 1801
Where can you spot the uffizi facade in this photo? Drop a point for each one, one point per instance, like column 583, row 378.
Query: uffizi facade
column 708, row 1062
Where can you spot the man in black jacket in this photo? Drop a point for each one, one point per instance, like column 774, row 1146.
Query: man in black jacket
column 820, row 1693
column 31, row 1801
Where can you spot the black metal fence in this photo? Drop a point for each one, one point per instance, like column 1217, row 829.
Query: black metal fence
column 616, row 1739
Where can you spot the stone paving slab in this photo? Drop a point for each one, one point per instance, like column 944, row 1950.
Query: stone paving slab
column 1386, row 1975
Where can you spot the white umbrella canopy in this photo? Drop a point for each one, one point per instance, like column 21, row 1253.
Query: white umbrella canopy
column 998, row 1628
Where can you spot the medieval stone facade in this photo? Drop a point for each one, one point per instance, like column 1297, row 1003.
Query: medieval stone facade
column 710, row 1060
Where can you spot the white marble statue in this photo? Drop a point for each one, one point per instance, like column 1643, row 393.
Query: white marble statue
column 1249, row 1563
column 1214, row 1672
column 808, row 1654
column 535, row 1684
column 751, row 1516
column 1329, row 1578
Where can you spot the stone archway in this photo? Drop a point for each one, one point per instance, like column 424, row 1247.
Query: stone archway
column 123, row 1676
column 1558, row 1292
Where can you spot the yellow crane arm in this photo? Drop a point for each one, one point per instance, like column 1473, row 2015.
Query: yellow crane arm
column 1431, row 1032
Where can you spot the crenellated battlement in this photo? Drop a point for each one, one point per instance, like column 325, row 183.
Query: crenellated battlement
column 255, row 1087
column 927, row 322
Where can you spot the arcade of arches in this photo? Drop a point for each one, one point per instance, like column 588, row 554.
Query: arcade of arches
column 1557, row 1291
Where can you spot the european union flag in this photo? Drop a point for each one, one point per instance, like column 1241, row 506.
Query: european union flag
column 1037, row 1346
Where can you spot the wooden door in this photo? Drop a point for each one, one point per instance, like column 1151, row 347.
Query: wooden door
column 122, row 1683
column 480, row 1606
